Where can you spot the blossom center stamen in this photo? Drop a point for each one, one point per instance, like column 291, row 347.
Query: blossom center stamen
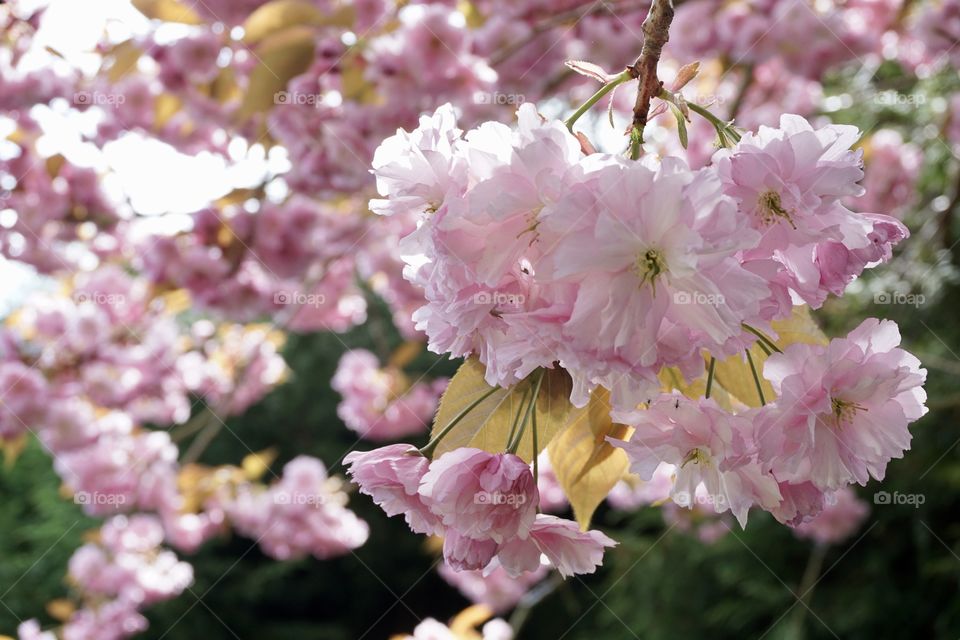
column 770, row 207
column 648, row 266
column 844, row 411
column 696, row 456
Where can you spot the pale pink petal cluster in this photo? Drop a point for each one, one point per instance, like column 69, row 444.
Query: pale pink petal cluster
column 302, row 513
column 380, row 403
column 843, row 410
column 842, row 515
column 124, row 571
column 713, row 452
column 494, row 588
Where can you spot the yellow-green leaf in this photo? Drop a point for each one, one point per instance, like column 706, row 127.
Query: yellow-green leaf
column 278, row 15
column 168, row 11
column 734, row 374
column 488, row 425
column 586, row 465
column 280, row 57
column 12, row 450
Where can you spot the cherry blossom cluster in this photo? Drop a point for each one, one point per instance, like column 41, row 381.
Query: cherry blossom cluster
column 124, row 571
column 303, row 513
column 531, row 253
column 484, row 506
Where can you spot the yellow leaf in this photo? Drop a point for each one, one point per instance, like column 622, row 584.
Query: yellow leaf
column 54, row 163
column 124, row 60
column 278, row 15
column 586, row 465
column 61, row 609
column 256, row 464
column 405, row 354
column 671, row 378
column 475, row 19
column 464, row 624
column 12, row 449
column 280, row 57
column 165, row 107
column 224, row 87
column 487, row 426
column 734, row 374
column 168, row 11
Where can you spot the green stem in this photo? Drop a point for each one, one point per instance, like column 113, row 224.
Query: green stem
column 710, row 374
column 756, row 378
column 595, row 98
column 536, row 451
column 772, row 346
column 531, row 408
column 808, row 582
column 435, row 440
column 723, row 128
column 516, row 417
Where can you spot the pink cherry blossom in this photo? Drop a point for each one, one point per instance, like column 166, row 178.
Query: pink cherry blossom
column 381, row 403
column 391, row 475
column 843, row 409
column 708, row 446
column 481, row 495
column 494, row 588
column 569, row 549
column 842, row 516
column 304, row 512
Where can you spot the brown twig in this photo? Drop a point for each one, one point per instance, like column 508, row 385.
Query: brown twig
column 656, row 32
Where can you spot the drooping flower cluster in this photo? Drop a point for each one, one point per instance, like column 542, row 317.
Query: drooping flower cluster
column 532, row 253
column 483, row 504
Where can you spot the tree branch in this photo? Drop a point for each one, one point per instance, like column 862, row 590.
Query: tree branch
column 656, row 32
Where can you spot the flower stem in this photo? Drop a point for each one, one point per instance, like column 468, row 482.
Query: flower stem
column 516, row 417
column 595, row 98
column 435, row 440
column 764, row 339
column 756, row 378
column 711, row 370
column 531, row 409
